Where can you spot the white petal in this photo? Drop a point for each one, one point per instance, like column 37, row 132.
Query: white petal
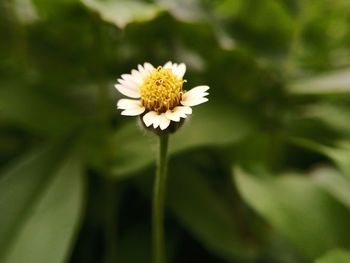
column 164, row 122
column 169, row 64
column 172, row 115
column 174, row 68
column 184, row 109
column 138, row 77
column 182, row 114
column 132, row 79
column 140, row 67
column 199, row 91
column 132, row 93
column 133, row 112
column 156, row 120
column 194, row 101
column 125, row 104
column 149, row 117
column 143, row 73
column 148, row 66
column 178, row 112
column 181, row 69
column 195, row 96
column 127, row 77
column 128, row 83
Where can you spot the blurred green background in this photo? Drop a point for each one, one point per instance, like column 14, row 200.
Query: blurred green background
column 260, row 173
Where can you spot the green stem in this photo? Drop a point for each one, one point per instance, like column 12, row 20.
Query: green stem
column 295, row 41
column 158, row 201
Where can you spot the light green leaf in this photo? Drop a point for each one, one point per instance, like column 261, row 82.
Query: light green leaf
column 227, row 8
column 340, row 155
column 19, row 186
column 334, row 82
column 299, row 209
column 206, row 214
column 335, row 256
column 214, row 125
column 185, row 10
column 210, row 125
column 123, row 12
column 195, row 11
column 25, row 11
column 41, row 205
column 334, row 183
column 335, row 116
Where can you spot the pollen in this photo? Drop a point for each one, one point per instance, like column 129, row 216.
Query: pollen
column 161, row 90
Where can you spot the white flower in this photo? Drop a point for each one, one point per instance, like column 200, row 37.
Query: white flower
column 157, row 94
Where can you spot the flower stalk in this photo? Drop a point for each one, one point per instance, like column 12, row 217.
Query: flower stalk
column 159, row 200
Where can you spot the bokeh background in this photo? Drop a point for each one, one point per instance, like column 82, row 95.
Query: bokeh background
column 260, row 173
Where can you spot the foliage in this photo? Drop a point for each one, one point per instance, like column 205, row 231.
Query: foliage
column 259, row 174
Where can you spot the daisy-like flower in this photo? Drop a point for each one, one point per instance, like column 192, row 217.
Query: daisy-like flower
column 157, row 94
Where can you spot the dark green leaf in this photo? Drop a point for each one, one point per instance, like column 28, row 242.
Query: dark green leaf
column 338, row 154
column 135, row 246
column 37, row 112
column 206, row 214
column 53, row 8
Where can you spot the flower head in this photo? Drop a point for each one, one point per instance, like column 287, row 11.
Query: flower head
column 157, row 94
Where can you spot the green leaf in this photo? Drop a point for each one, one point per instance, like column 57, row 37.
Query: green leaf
column 195, row 11
column 37, row 112
column 214, row 125
column 53, row 8
column 334, row 183
column 25, row 11
column 334, row 82
column 133, row 150
column 227, row 8
column 185, row 10
column 335, row 116
column 211, row 125
column 335, row 256
column 123, row 12
column 206, row 214
column 299, row 209
column 19, row 186
column 338, row 154
column 41, row 204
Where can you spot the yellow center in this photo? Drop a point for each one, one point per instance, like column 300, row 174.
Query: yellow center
column 161, row 90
